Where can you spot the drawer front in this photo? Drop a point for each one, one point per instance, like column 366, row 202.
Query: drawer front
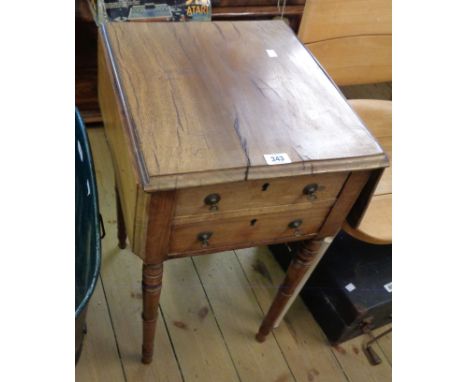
column 254, row 229
column 217, row 199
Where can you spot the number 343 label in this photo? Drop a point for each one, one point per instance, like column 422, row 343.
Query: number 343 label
column 279, row 158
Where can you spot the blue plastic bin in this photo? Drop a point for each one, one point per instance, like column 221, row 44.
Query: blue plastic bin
column 87, row 231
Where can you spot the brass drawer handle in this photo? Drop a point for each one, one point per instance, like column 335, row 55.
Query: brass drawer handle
column 310, row 191
column 212, row 200
column 204, row 237
column 295, row 224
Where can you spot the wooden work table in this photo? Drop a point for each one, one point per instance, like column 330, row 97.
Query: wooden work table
column 227, row 135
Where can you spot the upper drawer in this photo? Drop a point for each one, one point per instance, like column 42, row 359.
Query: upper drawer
column 258, row 193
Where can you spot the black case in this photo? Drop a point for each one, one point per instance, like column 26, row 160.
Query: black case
column 350, row 290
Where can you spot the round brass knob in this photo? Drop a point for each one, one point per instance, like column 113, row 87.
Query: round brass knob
column 310, row 191
column 295, row 224
column 212, row 200
column 204, row 237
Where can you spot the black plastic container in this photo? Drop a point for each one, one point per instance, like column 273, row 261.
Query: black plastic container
column 87, row 231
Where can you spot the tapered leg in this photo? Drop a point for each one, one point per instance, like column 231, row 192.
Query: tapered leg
column 121, row 231
column 152, row 282
column 305, row 257
column 160, row 213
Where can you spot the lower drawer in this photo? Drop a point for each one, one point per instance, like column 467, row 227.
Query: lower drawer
column 226, row 232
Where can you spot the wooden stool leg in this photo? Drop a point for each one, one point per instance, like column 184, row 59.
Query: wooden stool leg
column 121, row 231
column 152, row 282
column 298, row 269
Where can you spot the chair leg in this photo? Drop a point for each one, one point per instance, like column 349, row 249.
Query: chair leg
column 151, row 285
column 297, row 271
column 121, row 231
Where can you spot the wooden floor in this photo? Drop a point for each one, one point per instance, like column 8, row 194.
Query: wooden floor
column 211, row 307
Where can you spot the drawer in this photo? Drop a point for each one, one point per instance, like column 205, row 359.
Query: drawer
column 217, row 199
column 248, row 229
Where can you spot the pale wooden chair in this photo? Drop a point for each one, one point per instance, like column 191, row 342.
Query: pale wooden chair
column 352, row 39
column 376, row 225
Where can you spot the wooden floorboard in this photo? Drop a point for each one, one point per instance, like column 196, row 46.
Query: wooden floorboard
column 211, row 308
column 385, row 342
column 121, row 276
column 300, row 338
column 201, row 350
column 122, row 280
column 239, row 316
column 99, row 359
column 356, row 365
column 310, row 354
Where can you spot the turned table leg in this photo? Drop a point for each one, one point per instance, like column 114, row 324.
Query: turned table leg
column 160, row 212
column 121, row 231
column 151, row 285
column 307, row 257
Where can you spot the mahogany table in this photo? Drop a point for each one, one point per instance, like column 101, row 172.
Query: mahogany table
column 227, row 135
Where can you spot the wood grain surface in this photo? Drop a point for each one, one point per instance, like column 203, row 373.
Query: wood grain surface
column 352, row 39
column 331, row 19
column 345, row 201
column 377, row 221
column 120, row 146
column 241, row 231
column 253, row 361
column 192, row 325
column 206, row 102
column 377, row 115
column 258, row 194
column 257, row 12
column 356, row 59
column 245, row 3
column 385, row 342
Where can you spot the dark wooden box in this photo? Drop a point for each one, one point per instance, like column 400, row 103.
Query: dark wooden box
column 350, row 290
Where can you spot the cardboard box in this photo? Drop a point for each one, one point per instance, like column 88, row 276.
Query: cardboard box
column 156, row 10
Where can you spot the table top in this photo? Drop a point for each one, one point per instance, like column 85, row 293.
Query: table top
column 216, row 102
